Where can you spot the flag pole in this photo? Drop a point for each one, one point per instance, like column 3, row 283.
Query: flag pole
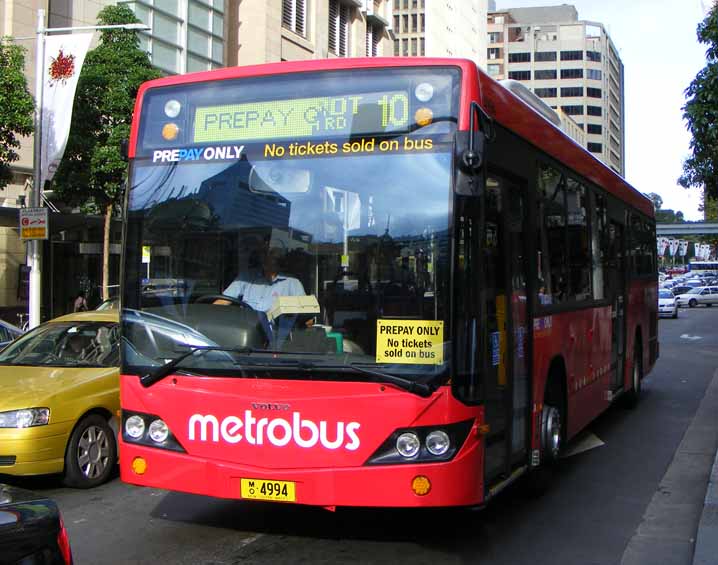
column 35, row 245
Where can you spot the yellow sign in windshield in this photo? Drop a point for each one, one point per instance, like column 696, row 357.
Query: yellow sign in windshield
column 353, row 114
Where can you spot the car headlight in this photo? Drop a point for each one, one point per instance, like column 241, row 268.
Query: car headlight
column 25, row 418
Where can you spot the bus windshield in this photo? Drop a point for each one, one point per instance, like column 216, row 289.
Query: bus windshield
column 334, row 253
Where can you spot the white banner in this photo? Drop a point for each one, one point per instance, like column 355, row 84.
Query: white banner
column 662, row 244
column 682, row 247
column 672, row 246
column 64, row 55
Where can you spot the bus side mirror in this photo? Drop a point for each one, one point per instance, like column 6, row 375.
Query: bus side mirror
column 470, row 158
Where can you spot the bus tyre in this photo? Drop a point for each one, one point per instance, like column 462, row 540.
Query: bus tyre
column 633, row 396
column 91, row 453
column 539, row 479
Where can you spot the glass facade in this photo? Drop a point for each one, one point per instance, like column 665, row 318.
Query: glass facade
column 185, row 37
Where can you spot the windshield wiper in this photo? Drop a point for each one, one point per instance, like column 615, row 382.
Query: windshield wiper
column 420, row 389
column 148, row 379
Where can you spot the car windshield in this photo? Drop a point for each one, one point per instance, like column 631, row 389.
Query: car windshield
column 665, row 294
column 66, row 344
column 695, row 290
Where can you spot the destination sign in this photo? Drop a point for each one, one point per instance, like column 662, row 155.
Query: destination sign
column 324, row 116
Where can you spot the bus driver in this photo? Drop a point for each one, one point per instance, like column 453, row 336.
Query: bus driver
column 260, row 290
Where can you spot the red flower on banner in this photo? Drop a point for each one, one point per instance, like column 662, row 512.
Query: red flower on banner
column 62, row 67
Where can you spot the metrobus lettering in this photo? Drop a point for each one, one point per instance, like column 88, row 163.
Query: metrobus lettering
column 277, row 431
column 198, row 153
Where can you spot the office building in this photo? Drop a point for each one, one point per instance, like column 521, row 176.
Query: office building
column 441, row 28
column 571, row 64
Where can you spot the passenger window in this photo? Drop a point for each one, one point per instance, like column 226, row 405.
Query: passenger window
column 579, row 251
column 553, row 287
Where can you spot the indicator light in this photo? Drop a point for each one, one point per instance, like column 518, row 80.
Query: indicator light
column 421, row 485
column 424, row 92
column 170, row 131
column 172, row 108
column 423, row 116
column 139, row 465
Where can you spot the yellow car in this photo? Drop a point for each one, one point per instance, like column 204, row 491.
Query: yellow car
column 59, row 397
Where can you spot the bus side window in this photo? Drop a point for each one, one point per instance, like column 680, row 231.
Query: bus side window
column 599, row 243
column 553, row 283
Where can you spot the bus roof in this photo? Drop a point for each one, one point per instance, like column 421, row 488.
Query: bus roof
column 499, row 103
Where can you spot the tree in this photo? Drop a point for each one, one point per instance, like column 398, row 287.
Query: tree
column 700, row 169
column 655, row 198
column 16, row 107
column 93, row 172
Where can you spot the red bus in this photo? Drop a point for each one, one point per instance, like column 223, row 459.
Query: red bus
column 378, row 282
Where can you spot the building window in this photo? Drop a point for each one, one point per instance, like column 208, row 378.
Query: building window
column 294, row 16
column 397, row 47
column 594, row 110
column 546, row 74
column 571, row 91
column 545, row 92
column 422, row 24
column 494, row 70
column 373, row 38
column 405, row 47
column 593, row 56
column 414, row 49
column 405, row 23
column 520, row 75
column 595, row 147
column 494, row 36
column 414, row 26
column 396, row 24
column 596, row 129
column 519, row 57
column 499, row 20
column 542, row 56
column 573, row 110
column 571, row 73
column 338, row 28
column 422, row 44
column 572, row 55
column 593, row 74
column 593, row 92
column 494, row 53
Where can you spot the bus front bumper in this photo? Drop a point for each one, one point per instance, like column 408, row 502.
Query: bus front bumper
column 454, row 483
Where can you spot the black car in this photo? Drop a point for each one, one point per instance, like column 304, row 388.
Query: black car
column 31, row 529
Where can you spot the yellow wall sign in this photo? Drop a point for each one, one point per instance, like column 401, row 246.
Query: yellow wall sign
column 416, row 342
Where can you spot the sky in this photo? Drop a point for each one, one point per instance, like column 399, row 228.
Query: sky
column 657, row 43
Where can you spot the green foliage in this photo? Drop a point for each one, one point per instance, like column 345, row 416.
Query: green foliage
column 700, row 169
column 92, row 172
column 668, row 216
column 655, row 198
column 709, row 207
column 16, row 107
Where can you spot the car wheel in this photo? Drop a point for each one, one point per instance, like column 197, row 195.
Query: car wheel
column 692, row 303
column 708, row 304
column 675, row 313
column 91, row 453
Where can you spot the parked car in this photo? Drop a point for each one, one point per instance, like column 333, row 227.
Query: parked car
column 60, row 397
column 667, row 304
column 31, row 529
column 707, row 295
column 8, row 332
column 680, row 289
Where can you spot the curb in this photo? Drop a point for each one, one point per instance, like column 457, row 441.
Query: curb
column 706, row 549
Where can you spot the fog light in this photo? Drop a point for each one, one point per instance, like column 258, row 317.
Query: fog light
column 159, row 432
column 170, row 131
column 437, row 442
column 139, row 466
column 135, row 427
column 407, row 444
column 421, row 485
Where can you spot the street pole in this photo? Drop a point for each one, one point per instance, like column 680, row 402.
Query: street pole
column 35, row 245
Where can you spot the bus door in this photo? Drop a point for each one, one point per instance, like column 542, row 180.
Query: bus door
column 616, row 273
column 505, row 337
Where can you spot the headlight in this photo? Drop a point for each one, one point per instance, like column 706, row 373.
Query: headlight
column 159, row 431
column 25, row 418
column 408, row 444
column 437, row 442
column 135, row 427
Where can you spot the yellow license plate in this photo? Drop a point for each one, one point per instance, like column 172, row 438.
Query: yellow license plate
column 260, row 489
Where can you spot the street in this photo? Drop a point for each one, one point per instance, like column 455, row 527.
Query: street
column 595, row 509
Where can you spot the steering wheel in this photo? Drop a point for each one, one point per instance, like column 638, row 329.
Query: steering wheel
column 210, row 298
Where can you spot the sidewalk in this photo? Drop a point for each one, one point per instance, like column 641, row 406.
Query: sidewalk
column 667, row 534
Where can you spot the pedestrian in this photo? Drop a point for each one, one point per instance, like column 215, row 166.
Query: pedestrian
column 80, row 304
